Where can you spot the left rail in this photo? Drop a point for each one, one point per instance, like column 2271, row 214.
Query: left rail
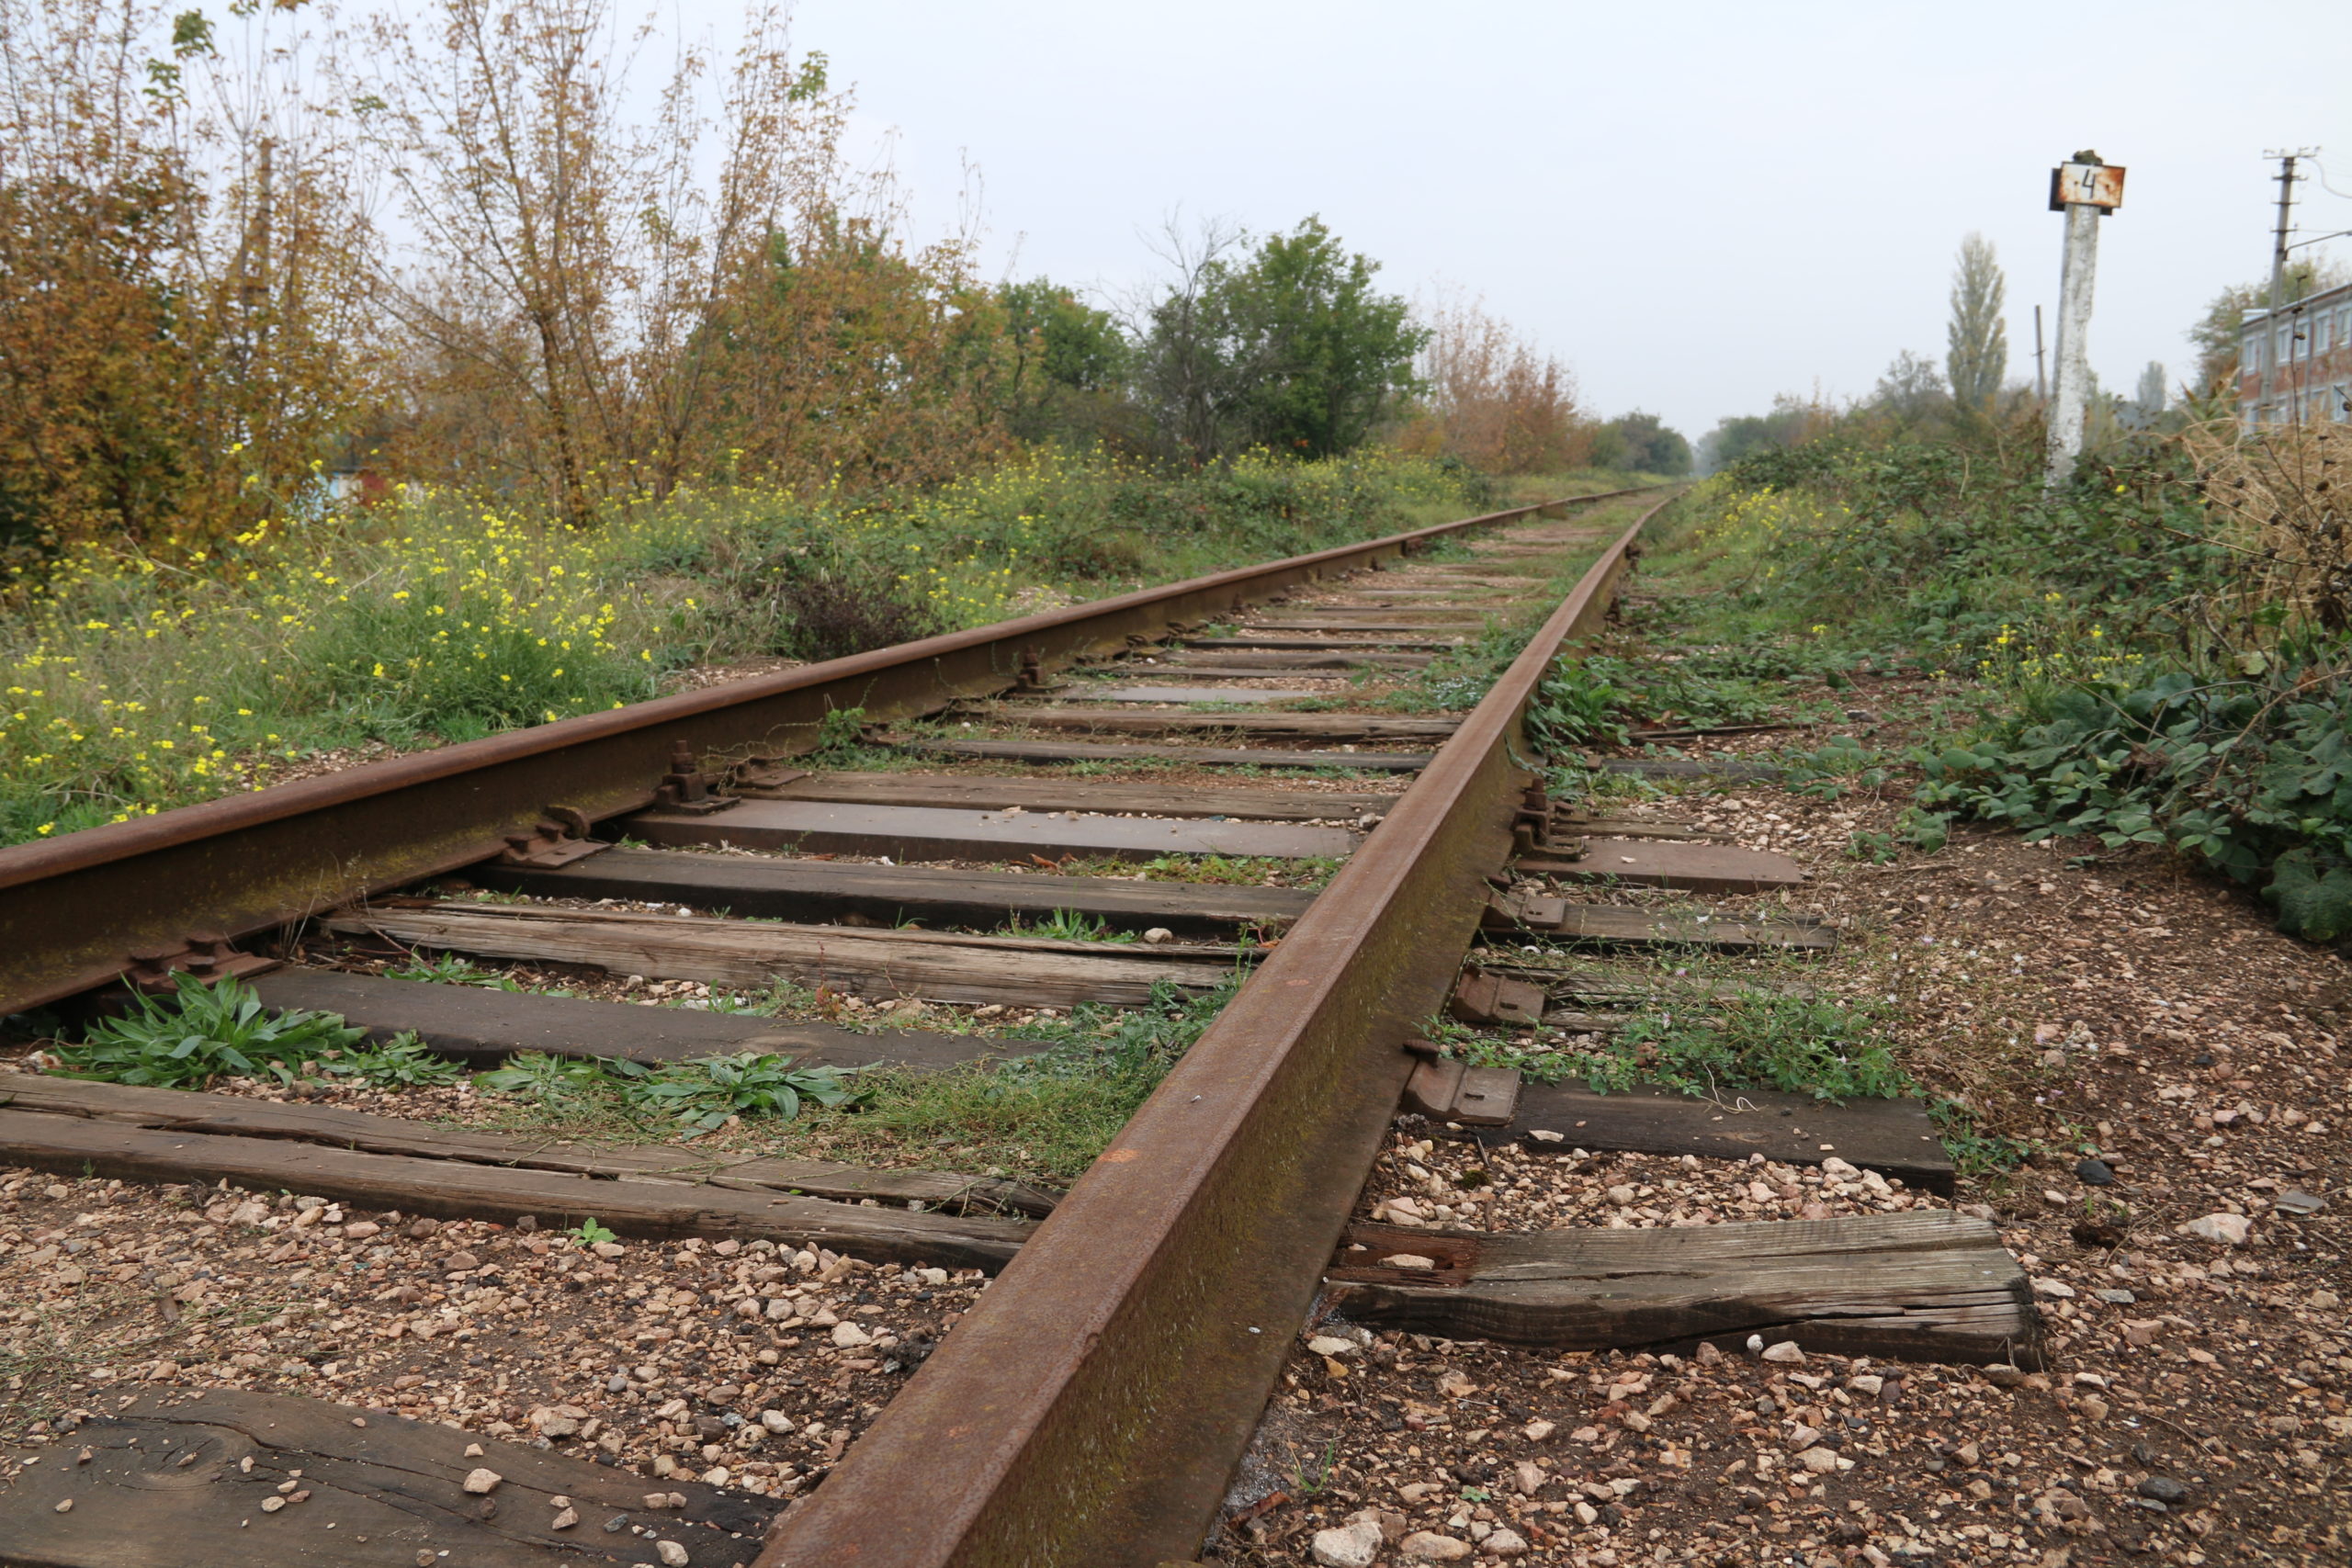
column 76, row 911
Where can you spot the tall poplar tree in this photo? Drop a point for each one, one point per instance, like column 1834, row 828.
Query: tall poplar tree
column 1978, row 336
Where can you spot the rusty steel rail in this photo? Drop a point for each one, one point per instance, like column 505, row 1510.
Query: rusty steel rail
column 1092, row 1408
column 75, row 910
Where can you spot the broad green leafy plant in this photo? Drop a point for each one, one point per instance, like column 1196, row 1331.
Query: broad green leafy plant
column 703, row 1094
column 2251, row 772
column 201, row 1033
column 698, row 1095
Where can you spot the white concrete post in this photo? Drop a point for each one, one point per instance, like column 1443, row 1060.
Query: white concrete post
column 2071, row 388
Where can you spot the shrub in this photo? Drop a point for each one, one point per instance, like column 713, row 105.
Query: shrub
column 831, row 613
column 2169, row 638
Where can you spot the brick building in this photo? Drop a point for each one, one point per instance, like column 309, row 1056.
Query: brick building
column 2308, row 348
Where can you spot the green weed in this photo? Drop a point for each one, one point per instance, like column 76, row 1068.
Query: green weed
column 450, row 969
column 563, row 1085
column 1839, row 765
column 1069, row 925
column 402, row 1062
column 2250, row 773
column 1876, row 848
column 1974, row 1153
column 201, row 1033
column 704, row 1094
column 1045, row 1116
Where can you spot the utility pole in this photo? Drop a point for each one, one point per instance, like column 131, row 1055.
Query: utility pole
column 2040, row 385
column 2286, row 177
column 2085, row 190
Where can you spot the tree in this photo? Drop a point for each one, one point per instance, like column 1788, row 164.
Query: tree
column 1793, row 421
column 1492, row 401
column 1291, row 349
column 1644, row 445
column 1910, row 394
column 2147, row 404
column 840, row 357
column 1977, row 352
column 1340, row 352
column 1066, row 363
column 2218, row 333
column 177, row 290
column 1202, row 353
column 570, row 263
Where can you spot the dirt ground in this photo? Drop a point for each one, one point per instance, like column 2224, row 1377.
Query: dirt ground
column 2112, row 1007
column 687, row 1356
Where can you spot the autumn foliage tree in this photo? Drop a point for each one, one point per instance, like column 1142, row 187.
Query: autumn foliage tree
column 601, row 309
column 842, row 355
column 548, row 249
column 1493, row 401
column 179, row 283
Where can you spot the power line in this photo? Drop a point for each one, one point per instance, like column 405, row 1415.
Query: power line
column 2344, row 195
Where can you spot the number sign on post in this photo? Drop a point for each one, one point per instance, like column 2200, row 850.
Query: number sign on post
column 2087, row 185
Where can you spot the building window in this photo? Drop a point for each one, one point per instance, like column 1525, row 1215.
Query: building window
column 2319, row 332
column 2339, row 402
column 2250, row 357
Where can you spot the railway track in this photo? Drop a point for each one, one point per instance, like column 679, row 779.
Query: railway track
column 1091, row 1405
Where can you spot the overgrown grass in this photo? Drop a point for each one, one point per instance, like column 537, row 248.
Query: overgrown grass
column 1713, row 1045
column 1043, row 1116
column 132, row 684
column 1233, row 870
column 1832, row 1050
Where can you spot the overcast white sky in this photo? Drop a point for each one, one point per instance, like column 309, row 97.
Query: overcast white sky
column 1697, row 205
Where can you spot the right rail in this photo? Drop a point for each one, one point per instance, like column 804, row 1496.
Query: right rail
column 1090, row 1410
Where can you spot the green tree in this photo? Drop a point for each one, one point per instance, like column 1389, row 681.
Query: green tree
column 1977, row 354
column 1790, row 423
column 1069, row 363
column 1642, row 443
column 1293, row 348
column 1201, row 353
column 1340, row 350
column 1910, row 395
